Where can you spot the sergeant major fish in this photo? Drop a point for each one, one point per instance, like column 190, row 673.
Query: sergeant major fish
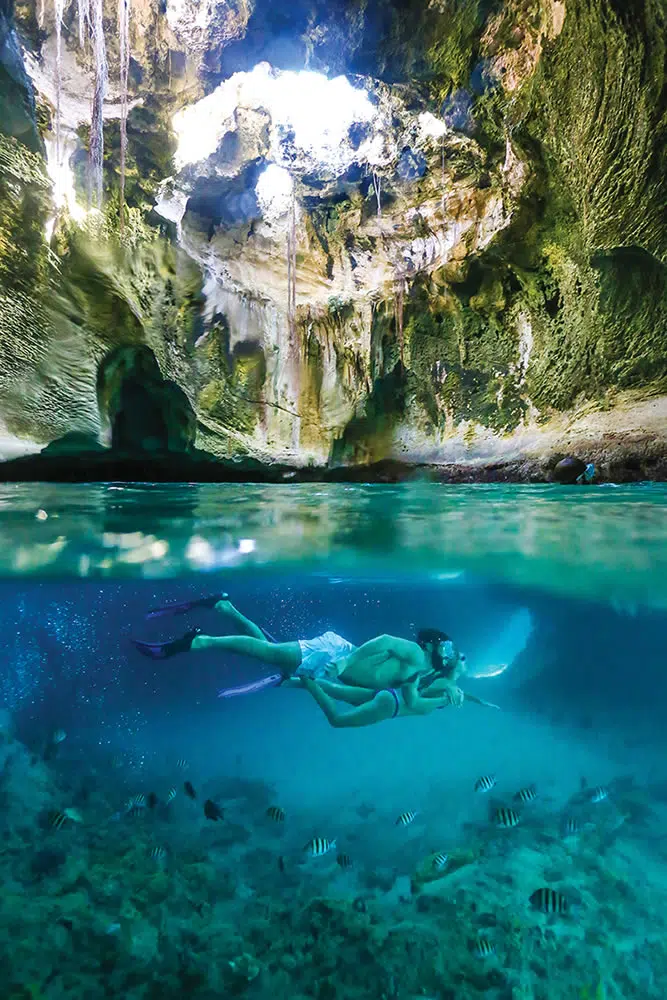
column 599, row 794
column 550, row 901
column 319, row 846
column 406, row 818
column 483, row 948
column 506, row 818
column 527, row 794
column 485, row 783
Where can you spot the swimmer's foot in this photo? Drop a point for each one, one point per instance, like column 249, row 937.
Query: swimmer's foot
column 225, row 606
column 163, row 650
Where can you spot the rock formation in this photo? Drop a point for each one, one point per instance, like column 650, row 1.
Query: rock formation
column 454, row 253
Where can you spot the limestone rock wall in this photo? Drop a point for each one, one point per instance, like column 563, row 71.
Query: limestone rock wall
column 479, row 271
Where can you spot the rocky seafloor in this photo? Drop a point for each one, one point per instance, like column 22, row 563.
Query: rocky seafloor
column 89, row 908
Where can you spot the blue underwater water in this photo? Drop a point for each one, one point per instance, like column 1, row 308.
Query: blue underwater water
column 565, row 589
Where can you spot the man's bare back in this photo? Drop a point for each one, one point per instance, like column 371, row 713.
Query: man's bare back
column 383, row 662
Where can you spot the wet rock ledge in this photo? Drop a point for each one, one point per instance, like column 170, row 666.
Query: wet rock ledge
column 618, row 462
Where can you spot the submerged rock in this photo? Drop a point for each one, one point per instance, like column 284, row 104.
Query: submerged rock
column 245, row 967
column 568, row 470
column 47, row 862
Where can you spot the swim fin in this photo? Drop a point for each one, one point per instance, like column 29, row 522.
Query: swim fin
column 273, row 680
column 163, row 650
column 181, row 609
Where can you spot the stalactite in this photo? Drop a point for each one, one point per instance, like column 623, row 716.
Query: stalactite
column 377, row 185
column 124, row 49
column 97, row 115
column 59, row 10
column 83, row 7
column 291, row 270
column 442, row 181
column 399, row 297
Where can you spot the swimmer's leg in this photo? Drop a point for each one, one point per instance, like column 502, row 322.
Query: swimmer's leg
column 221, row 603
column 286, row 656
column 225, row 606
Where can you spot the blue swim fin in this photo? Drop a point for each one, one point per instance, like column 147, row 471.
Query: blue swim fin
column 163, row 650
column 181, row 609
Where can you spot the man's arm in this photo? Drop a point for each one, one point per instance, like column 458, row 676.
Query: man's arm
column 341, row 692
column 381, row 707
column 420, row 705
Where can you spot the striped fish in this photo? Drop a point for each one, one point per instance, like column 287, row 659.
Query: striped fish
column 276, row 814
column 571, row 827
column 182, row 764
column 344, row 861
column 485, row 783
column 171, row 795
column 506, row 818
column 483, row 948
column 157, row 853
column 136, row 802
column 547, row 900
column 319, row 846
column 406, row 818
column 599, row 794
column 527, row 794
column 57, row 820
column 440, row 862
column 59, row 736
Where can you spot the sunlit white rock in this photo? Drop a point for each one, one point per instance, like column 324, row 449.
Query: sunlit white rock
column 274, row 191
column 62, row 175
column 431, row 126
column 316, row 110
column 171, row 202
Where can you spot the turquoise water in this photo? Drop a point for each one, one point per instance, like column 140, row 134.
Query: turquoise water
column 557, row 597
column 606, row 542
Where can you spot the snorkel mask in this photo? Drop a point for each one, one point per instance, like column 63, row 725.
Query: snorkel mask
column 449, row 653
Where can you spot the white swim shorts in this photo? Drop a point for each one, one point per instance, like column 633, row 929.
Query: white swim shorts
column 320, row 656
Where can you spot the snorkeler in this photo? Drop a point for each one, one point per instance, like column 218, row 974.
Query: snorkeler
column 414, row 697
column 377, row 669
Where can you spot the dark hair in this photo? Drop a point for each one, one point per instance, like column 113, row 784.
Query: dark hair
column 427, row 635
column 435, row 636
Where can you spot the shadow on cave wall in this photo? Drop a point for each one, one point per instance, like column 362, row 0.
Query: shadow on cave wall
column 142, row 411
column 145, row 411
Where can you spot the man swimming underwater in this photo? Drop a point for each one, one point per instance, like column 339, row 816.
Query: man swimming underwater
column 383, row 678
